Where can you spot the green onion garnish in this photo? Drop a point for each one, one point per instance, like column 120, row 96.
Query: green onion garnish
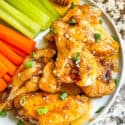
column 29, row 64
column 100, row 21
column 20, row 123
column 115, row 37
column 116, row 81
column 77, row 57
column 97, row 36
column 100, row 109
column 23, row 100
column 63, row 96
column 33, row 54
column 54, row 30
column 42, row 110
column 72, row 21
column 3, row 113
column 72, row 5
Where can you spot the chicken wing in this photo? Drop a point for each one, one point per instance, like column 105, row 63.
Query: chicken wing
column 48, row 82
column 54, row 110
column 99, row 89
column 26, row 80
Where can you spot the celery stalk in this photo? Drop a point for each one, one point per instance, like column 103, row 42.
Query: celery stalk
column 47, row 4
column 42, row 7
column 23, row 19
column 29, row 9
column 10, row 20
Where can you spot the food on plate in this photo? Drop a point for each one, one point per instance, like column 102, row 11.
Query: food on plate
column 14, row 47
column 26, row 16
column 49, row 109
column 55, row 84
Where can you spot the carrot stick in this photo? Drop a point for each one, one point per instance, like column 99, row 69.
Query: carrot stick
column 16, row 39
column 6, row 51
column 11, row 67
column 7, row 78
column 17, row 51
column 3, row 69
column 3, row 85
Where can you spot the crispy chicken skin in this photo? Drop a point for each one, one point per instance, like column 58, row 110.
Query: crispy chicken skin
column 99, row 89
column 58, row 111
column 48, row 81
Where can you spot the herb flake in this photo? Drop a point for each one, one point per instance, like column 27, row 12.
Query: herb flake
column 20, row 123
column 97, row 37
column 30, row 64
column 63, row 96
column 42, row 110
column 3, row 113
column 116, row 81
column 72, row 21
column 73, row 5
column 100, row 109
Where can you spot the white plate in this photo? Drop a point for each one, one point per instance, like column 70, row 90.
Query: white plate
column 97, row 103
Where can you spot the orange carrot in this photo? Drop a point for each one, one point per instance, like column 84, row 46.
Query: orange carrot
column 3, row 85
column 7, row 78
column 16, row 39
column 11, row 67
column 3, row 69
column 16, row 51
column 6, row 51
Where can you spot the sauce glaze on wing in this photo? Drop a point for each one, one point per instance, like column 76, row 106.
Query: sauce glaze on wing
column 58, row 111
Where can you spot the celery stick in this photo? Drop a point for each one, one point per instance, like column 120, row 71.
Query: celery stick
column 41, row 7
column 10, row 20
column 36, row 14
column 50, row 7
column 23, row 19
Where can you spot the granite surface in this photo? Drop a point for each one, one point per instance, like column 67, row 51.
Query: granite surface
column 116, row 10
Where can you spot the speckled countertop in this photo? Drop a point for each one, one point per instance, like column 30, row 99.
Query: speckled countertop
column 116, row 114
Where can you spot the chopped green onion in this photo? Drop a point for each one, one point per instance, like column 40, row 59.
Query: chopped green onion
column 77, row 57
column 63, row 96
column 3, row 113
column 23, row 100
column 115, row 37
column 54, row 30
column 30, row 64
column 72, row 21
column 100, row 21
column 97, row 36
column 100, row 109
column 20, row 123
column 33, row 54
column 42, row 111
column 116, row 81
column 72, row 5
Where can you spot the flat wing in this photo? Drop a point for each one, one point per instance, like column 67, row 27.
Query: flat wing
column 57, row 111
column 99, row 89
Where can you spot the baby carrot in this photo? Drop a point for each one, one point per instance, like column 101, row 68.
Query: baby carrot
column 12, row 56
column 3, row 69
column 17, row 51
column 3, row 85
column 7, row 78
column 11, row 67
column 16, row 39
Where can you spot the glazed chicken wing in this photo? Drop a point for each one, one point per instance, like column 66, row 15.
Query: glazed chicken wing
column 48, row 82
column 27, row 78
column 49, row 109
